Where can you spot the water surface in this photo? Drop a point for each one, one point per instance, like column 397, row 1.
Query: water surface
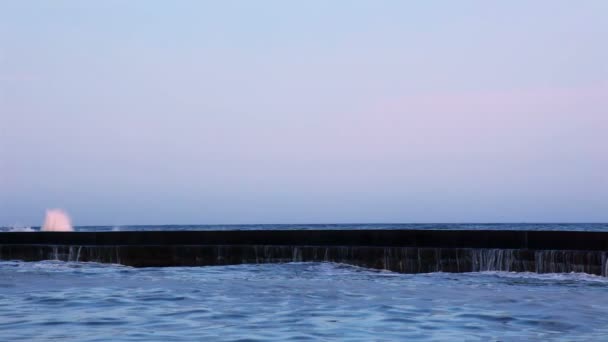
column 53, row 300
column 440, row 226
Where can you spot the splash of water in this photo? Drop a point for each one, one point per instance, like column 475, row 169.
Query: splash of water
column 17, row 228
column 57, row 220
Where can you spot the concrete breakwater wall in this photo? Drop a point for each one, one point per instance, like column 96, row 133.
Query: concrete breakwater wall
column 408, row 251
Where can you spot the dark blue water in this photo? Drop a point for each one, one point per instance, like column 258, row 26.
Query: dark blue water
column 463, row 226
column 54, row 300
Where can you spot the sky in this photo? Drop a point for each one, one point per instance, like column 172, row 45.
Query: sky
column 220, row 112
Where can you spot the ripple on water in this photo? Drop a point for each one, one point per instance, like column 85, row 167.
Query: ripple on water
column 308, row 301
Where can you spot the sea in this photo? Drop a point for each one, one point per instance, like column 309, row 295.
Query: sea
column 337, row 226
column 77, row 301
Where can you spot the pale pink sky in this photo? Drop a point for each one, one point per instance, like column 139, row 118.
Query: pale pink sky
column 289, row 112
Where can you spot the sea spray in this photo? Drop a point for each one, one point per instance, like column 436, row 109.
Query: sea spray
column 57, row 220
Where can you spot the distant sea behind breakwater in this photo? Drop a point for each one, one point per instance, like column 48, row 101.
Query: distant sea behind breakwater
column 593, row 227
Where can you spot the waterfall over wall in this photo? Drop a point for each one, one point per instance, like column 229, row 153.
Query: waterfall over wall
column 398, row 259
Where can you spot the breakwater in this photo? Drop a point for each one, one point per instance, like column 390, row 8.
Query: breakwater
column 407, row 251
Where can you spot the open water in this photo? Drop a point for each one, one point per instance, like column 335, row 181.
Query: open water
column 63, row 301
column 442, row 226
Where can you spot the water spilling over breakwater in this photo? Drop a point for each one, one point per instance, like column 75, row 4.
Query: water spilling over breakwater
column 398, row 259
column 405, row 251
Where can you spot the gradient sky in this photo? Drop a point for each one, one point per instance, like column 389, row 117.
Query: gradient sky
column 144, row 112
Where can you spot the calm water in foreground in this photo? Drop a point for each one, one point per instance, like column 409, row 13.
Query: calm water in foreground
column 54, row 300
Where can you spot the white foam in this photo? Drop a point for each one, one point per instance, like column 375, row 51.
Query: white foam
column 18, row 228
column 573, row 276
